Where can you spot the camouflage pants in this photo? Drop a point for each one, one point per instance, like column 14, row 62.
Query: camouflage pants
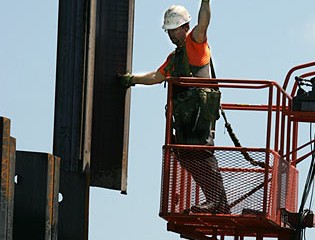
column 203, row 166
column 194, row 114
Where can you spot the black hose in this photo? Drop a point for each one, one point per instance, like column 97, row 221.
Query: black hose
column 237, row 142
column 309, row 184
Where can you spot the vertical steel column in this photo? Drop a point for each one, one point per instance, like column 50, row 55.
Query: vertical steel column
column 69, row 83
column 94, row 41
column 7, row 167
column 73, row 209
column 36, row 196
column 72, row 52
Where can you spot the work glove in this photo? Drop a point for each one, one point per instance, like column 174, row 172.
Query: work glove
column 126, row 80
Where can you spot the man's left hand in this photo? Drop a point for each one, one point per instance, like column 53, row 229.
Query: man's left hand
column 126, row 80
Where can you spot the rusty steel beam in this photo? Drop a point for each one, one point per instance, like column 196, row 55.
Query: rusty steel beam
column 36, row 196
column 7, row 163
column 11, row 188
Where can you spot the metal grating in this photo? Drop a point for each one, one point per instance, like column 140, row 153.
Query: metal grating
column 254, row 193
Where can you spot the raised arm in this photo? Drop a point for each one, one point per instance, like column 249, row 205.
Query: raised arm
column 199, row 33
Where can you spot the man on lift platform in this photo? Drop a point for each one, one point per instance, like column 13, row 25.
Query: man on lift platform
column 195, row 109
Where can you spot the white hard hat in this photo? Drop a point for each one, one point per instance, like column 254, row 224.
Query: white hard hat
column 175, row 17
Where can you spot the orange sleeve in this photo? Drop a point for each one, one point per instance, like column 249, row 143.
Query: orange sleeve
column 198, row 53
column 163, row 66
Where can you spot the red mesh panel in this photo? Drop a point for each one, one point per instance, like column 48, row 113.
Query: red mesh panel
column 249, row 189
column 292, row 195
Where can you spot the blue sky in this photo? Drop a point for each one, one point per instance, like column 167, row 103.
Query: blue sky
column 249, row 40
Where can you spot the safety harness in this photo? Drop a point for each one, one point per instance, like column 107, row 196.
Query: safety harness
column 178, row 65
column 191, row 104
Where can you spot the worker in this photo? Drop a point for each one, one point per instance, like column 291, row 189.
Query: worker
column 193, row 117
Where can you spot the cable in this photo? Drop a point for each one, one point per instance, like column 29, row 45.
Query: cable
column 237, row 143
column 309, row 184
column 313, row 184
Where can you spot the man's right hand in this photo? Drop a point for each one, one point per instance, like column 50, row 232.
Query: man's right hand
column 126, row 80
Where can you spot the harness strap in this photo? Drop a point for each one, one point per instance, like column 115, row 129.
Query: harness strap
column 178, row 65
column 170, row 64
column 212, row 69
column 186, row 63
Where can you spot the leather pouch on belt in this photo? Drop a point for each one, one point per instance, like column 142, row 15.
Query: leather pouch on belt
column 186, row 107
column 210, row 100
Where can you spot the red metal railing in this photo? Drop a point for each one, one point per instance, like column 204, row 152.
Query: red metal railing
column 255, row 194
column 295, row 117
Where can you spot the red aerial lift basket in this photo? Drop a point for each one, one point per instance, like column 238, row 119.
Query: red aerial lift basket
column 260, row 183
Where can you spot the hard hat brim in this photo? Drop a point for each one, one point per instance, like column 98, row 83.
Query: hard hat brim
column 173, row 26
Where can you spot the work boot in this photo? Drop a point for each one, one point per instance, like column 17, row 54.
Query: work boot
column 204, row 208
column 210, row 207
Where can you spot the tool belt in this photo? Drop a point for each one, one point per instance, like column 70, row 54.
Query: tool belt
column 195, row 103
